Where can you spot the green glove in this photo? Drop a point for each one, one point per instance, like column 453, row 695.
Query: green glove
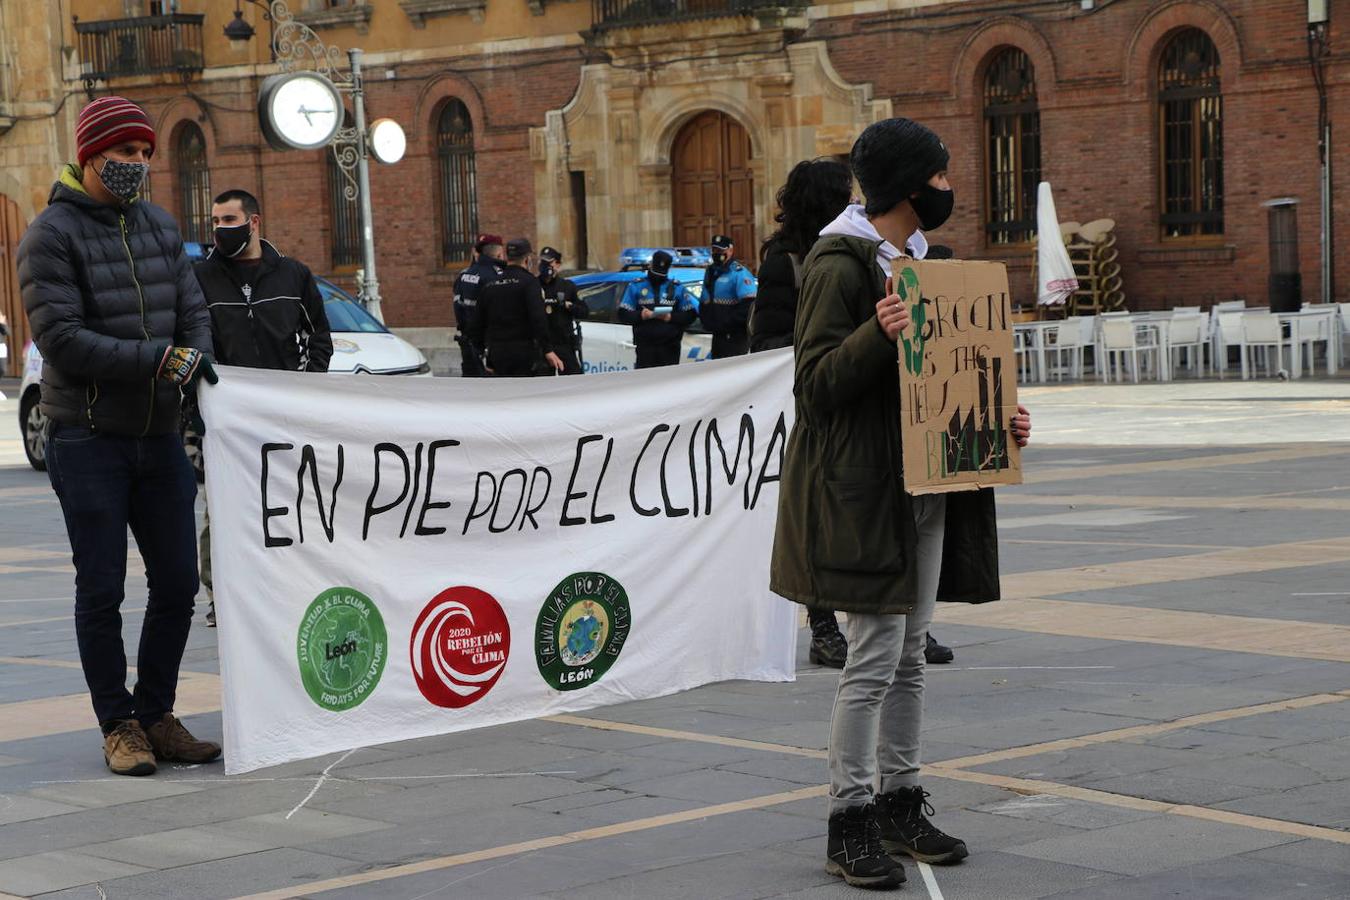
column 184, row 365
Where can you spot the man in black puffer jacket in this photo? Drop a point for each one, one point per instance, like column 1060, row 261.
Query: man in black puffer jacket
column 123, row 331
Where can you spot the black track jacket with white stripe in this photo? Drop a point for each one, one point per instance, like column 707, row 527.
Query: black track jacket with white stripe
column 265, row 316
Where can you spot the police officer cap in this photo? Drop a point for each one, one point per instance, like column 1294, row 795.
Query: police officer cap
column 550, row 254
column 660, row 263
column 518, row 248
column 721, row 242
column 486, row 240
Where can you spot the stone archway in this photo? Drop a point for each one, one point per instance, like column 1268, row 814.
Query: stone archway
column 712, row 182
column 11, row 304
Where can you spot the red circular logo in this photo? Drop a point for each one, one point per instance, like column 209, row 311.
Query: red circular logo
column 459, row 647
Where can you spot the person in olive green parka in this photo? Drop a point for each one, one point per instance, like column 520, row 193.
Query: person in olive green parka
column 849, row 537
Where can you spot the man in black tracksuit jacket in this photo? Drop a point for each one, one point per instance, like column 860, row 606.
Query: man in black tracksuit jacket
column 511, row 321
column 564, row 309
column 485, row 269
column 266, row 309
column 266, row 312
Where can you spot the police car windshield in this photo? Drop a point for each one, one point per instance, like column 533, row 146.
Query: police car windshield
column 344, row 313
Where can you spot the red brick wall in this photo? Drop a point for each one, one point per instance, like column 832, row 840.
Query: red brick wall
column 1096, row 79
column 293, row 189
column 1096, row 76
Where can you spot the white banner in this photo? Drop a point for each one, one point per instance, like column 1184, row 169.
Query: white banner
column 398, row 557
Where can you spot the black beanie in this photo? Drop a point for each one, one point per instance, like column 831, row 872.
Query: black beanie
column 893, row 159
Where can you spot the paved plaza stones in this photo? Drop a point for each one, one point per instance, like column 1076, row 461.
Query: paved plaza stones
column 1161, row 708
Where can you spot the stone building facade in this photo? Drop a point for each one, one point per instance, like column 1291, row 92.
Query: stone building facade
column 595, row 126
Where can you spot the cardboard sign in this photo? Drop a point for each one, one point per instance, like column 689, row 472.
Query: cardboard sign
column 958, row 376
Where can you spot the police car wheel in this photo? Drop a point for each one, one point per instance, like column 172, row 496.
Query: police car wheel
column 34, row 425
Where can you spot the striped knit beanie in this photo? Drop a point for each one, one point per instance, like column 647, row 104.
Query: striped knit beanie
column 109, row 121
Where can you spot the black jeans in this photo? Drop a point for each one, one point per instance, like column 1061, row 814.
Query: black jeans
column 730, row 343
column 652, row 355
column 513, row 359
column 471, row 362
column 106, row 483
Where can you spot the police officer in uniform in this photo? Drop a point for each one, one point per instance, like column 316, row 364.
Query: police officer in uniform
column 564, row 310
column 511, row 321
column 729, row 290
column 659, row 311
column 489, row 264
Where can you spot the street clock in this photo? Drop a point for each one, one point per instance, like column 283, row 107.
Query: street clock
column 299, row 111
column 387, row 140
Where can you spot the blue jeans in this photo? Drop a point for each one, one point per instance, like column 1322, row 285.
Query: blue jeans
column 106, row 483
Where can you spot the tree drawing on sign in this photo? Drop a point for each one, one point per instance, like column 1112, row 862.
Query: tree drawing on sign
column 977, row 440
column 912, row 347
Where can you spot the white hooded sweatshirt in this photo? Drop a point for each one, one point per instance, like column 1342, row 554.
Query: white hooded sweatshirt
column 853, row 222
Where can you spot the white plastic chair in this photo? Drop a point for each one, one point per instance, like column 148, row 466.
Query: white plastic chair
column 1261, row 331
column 1227, row 332
column 1063, row 338
column 1120, row 339
column 1230, row 306
column 1025, row 351
column 1309, row 331
column 1186, row 333
column 1087, row 336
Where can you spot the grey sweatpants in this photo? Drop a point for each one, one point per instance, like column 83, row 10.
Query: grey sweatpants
column 878, row 709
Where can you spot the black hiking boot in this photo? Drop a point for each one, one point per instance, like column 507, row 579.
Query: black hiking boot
column 901, row 817
column 828, row 647
column 934, row 652
column 854, row 852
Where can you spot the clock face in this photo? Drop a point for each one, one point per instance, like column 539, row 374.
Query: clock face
column 387, row 140
column 304, row 110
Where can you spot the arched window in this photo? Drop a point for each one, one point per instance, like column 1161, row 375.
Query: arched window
column 194, row 183
column 1012, row 130
column 1190, row 108
column 459, row 191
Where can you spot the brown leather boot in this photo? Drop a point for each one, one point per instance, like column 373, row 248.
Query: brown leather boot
column 126, row 750
column 171, row 741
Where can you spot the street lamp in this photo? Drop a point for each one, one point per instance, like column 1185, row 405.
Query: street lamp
column 291, row 109
column 1319, row 48
column 239, row 30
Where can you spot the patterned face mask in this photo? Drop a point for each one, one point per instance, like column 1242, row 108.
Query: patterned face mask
column 123, row 179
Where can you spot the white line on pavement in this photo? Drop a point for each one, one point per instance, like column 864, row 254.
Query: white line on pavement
column 1010, row 668
column 929, row 881
column 1322, row 594
column 323, row 776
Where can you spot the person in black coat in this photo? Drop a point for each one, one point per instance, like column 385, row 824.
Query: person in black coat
column 564, row 309
column 511, row 321
column 491, row 259
column 266, row 309
column 123, row 330
column 266, row 312
column 815, row 192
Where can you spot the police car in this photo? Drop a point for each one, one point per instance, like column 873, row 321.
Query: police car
column 362, row 345
column 607, row 345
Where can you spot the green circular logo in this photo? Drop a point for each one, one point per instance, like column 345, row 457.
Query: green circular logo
column 342, row 648
column 581, row 630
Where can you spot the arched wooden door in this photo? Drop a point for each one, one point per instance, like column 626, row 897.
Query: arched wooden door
column 11, row 304
column 714, row 188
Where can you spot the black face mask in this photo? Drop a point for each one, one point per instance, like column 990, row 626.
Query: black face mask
column 546, row 271
column 933, row 206
column 719, row 259
column 655, row 277
column 233, row 239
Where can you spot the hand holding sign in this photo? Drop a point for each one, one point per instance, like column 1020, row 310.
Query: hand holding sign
column 892, row 313
column 1021, row 426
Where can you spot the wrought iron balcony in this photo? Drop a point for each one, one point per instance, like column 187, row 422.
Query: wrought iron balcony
column 145, row 45
column 627, row 13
